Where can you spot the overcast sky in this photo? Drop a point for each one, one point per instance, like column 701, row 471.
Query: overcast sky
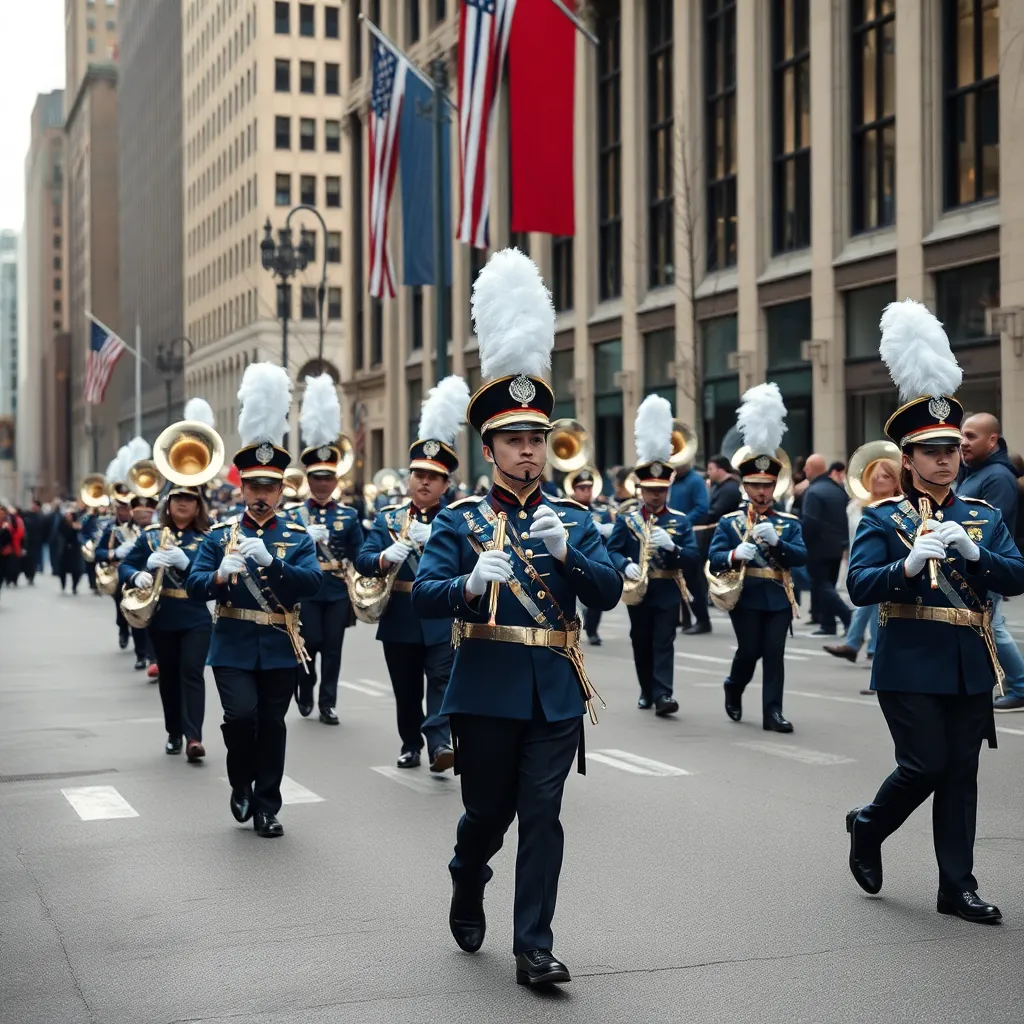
column 31, row 62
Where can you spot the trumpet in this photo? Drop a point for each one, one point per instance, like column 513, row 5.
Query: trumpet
column 233, row 549
column 924, row 510
column 499, row 545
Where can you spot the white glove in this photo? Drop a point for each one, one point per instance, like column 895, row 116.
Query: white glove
column 318, row 532
column 122, row 551
column 142, row 580
column 605, row 529
column 254, row 548
column 953, row 535
column 928, row 545
column 661, row 538
column 397, row 553
column 419, row 532
column 231, row 563
column 491, row 567
column 766, row 532
column 633, row 571
column 745, row 552
column 176, row 558
column 546, row 526
column 157, row 560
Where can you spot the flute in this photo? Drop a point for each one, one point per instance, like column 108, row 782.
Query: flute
column 924, row 510
column 498, row 545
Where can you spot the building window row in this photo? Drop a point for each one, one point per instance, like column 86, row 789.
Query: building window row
column 232, row 157
column 307, row 77
column 215, row 70
column 232, row 105
column 307, row 190
column 242, row 201
column 306, row 20
column 307, row 134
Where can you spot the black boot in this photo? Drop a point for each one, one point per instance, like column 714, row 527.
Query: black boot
column 466, row 917
column 733, row 700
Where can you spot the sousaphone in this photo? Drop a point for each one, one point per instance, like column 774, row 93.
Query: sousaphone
column 569, row 446
column 862, row 465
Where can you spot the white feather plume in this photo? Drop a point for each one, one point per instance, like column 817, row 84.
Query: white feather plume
column 138, row 448
column 113, row 471
column 444, row 410
column 199, row 411
column 265, row 396
column 916, row 350
column 320, row 417
column 653, row 430
column 761, row 418
column 514, row 317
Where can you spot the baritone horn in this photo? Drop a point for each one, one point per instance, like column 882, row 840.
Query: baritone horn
column 144, row 479
column 684, row 445
column 296, row 487
column 189, row 453
column 569, row 446
column 92, row 491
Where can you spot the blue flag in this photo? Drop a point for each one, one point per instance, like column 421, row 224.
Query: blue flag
column 416, row 165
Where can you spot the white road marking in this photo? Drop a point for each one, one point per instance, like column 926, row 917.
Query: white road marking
column 293, row 793
column 377, row 685
column 94, row 803
column 360, row 689
column 804, row 693
column 801, row 754
column 702, row 671
column 1011, row 732
column 627, row 762
column 787, row 655
column 704, row 657
column 807, row 650
column 433, row 783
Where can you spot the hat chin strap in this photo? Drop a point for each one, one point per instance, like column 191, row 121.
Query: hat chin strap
column 921, row 476
column 525, row 479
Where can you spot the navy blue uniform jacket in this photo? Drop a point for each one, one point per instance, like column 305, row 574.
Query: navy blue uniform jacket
column 344, row 539
column 400, row 624
column 176, row 611
column 918, row 656
column 759, row 594
column 292, row 576
column 624, row 547
column 490, row 677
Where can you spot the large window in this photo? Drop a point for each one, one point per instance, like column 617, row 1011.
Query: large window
column 412, row 22
column 414, row 403
column 283, row 190
column 720, row 130
column 282, row 132
column 308, row 298
column 863, row 311
column 607, row 404
column 416, row 315
column 331, row 22
column 307, row 77
column 562, row 257
column 332, row 188
column 789, row 324
column 721, row 391
column 282, row 18
column 659, row 363
column 306, row 20
column 307, row 134
column 660, row 254
column 791, row 126
column 873, row 81
column 282, row 75
column 609, row 151
column 562, row 364
column 376, row 332
column 962, row 297
column 333, row 246
column 332, row 79
column 332, row 136
column 971, row 74
column 307, row 189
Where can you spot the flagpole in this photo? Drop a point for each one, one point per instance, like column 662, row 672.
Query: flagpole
column 138, row 377
column 395, row 48
column 439, row 117
column 584, row 31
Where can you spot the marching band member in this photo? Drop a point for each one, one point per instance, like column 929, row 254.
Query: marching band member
column 338, row 536
column 769, row 544
column 510, row 567
column 257, row 568
column 652, row 545
column 580, row 485
column 415, row 647
column 931, row 561
column 179, row 630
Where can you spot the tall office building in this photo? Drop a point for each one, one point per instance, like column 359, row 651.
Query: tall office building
column 44, row 362
column 8, row 362
column 262, row 107
column 804, row 193
column 90, row 37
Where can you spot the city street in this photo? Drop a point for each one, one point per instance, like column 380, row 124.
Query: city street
column 705, row 875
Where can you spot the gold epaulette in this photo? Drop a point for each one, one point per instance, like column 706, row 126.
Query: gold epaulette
column 884, row 501
column 151, row 528
column 472, row 499
column 979, row 501
column 566, row 501
column 786, row 515
column 396, row 506
column 224, row 523
column 299, row 527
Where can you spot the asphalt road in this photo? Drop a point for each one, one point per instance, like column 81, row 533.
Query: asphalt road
column 705, row 874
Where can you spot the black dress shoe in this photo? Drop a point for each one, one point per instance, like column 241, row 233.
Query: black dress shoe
column 266, row 825
column 594, row 640
column 141, row 664
column 328, row 717
column 865, row 861
column 841, row 651
column 173, row 745
column 122, row 640
column 466, row 916
column 241, row 803
column 665, row 706
column 194, row 751
column 969, row 906
column 733, row 701
column 775, row 722
column 539, row 967
column 442, row 758
column 645, row 703
column 697, row 628
column 409, row 759
column 824, row 632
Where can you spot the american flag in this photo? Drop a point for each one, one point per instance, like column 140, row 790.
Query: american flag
column 483, row 44
column 389, row 70
column 105, row 348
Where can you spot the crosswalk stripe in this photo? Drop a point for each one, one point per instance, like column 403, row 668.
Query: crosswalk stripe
column 787, row 655
column 94, row 803
column 804, row 693
column 433, row 783
column 293, row 793
column 717, row 673
column 377, row 685
column 801, row 754
column 360, row 689
column 1010, row 732
column 627, row 762
column 807, row 650
column 704, row 657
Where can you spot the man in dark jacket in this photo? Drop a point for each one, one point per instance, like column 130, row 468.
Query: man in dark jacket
column 989, row 474
column 823, row 517
column 689, row 494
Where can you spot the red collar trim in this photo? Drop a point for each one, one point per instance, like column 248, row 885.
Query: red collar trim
column 251, row 524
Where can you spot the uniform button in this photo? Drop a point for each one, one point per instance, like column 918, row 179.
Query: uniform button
column 524, row 536
column 541, row 594
column 259, row 533
column 528, row 553
column 522, row 514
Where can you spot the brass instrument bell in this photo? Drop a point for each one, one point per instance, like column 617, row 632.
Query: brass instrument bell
column 144, row 479
column 862, row 465
column 785, row 480
column 189, row 453
column 348, row 456
column 296, row 487
column 569, row 446
column 92, row 491
column 684, row 444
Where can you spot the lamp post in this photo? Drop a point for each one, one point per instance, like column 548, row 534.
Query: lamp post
column 170, row 362
column 284, row 260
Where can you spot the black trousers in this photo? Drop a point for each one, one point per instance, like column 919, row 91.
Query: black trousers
column 181, row 655
column 697, row 584
column 761, row 635
column 652, row 631
column 90, row 574
column 139, row 638
column 511, row 768
column 825, row 599
column 591, row 621
column 407, row 666
column 938, row 742
column 323, row 629
column 71, row 567
column 255, row 703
